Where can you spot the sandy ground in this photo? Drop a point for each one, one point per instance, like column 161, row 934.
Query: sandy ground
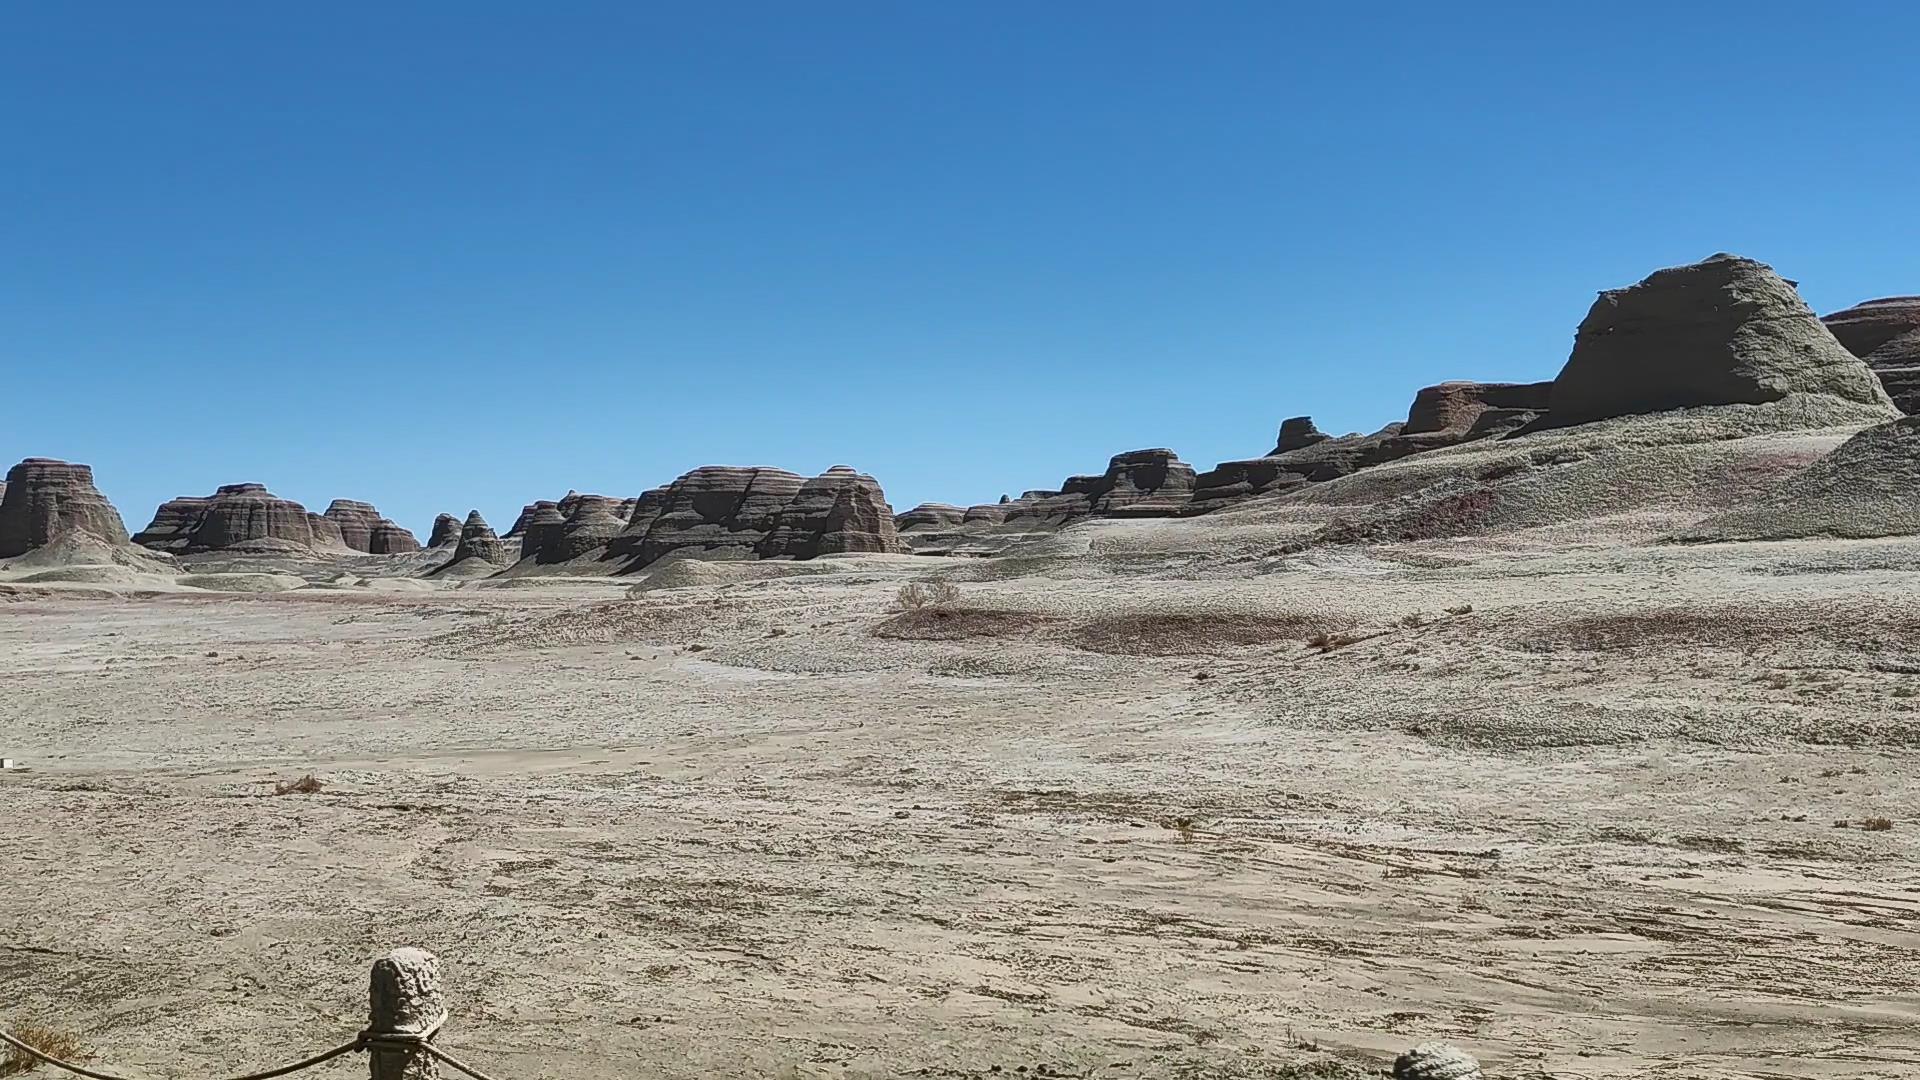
column 1131, row 824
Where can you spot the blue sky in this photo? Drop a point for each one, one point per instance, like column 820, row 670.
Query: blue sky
column 453, row 255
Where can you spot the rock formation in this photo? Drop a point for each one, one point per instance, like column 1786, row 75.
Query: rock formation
column 1721, row 332
column 363, row 529
column 540, row 525
column 1436, row 1061
column 355, row 520
column 591, row 523
column 930, row 515
column 173, row 524
column 46, row 499
column 1138, row 483
column 477, row 541
column 519, row 526
column 724, row 511
column 1297, row 433
column 1141, row 483
column 841, row 510
column 1482, row 409
column 1885, row 334
column 238, row 516
column 1445, row 414
column 390, row 538
column 447, row 530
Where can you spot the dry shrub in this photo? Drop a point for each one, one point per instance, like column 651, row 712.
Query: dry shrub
column 1463, row 609
column 1877, row 824
column 51, row 1041
column 1327, row 641
column 1412, row 620
column 306, row 785
column 1186, row 633
column 919, row 595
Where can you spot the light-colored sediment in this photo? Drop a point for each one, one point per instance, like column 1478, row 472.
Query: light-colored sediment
column 1109, row 813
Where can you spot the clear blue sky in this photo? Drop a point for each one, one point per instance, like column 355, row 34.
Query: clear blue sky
column 454, row 255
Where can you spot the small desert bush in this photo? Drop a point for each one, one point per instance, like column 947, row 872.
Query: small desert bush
column 51, row 1041
column 919, row 595
column 306, row 785
column 1413, row 620
column 1328, row 640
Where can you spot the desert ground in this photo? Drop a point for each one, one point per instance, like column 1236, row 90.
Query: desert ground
column 1585, row 808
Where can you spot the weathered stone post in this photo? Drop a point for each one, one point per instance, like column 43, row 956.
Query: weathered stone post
column 405, row 1008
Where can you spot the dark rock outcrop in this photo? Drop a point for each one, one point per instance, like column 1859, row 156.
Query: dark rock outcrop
column 1885, row 334
column 720, row 510
column 447, row 530
column 477, row 541
column 592, row 522
column 519, row 527
column 45, row 500
column 540, row 525
column 930, row 516
column 238, row 516
column 363, row 529
column 1461, row 407
column 391, row 538
column 1297, row 433
column 1142, row 483
column 356, row 521
column 1725, row 331
column 724, row 511
column 841, row 510
column 173, row 523
column 1138, row 483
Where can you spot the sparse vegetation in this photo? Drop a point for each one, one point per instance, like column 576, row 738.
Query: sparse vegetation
column 48, row 1040
column 1327, row 641
column 306, row 785
column 1412, row 620
column 920, row 595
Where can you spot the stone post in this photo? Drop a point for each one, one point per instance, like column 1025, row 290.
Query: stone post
column 404, row 1000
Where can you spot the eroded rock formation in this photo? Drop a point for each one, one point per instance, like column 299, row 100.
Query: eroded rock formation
column 363, row 529
column 447, row 530
column 841, row 510
column 477, row 541
column 1885, row 334
column 44, row 500
column 238, row 516
column 1725, row 331
column 931, row 516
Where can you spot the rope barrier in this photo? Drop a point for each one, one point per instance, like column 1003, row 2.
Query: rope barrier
column 359, row 1043
column 455, row 1062
column 364, row 1041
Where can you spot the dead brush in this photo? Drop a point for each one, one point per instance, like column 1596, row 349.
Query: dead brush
column 45, row 1038
column 306, row 785
column 1329, row 640
column 920, row 595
